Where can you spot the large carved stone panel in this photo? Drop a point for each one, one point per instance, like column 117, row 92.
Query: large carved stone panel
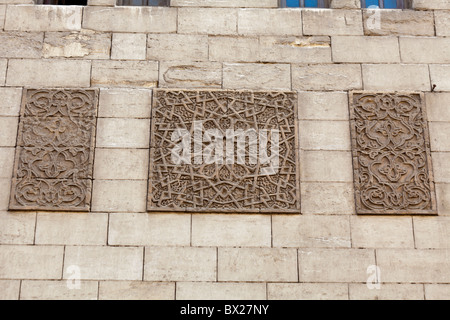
column 54, row 154
column 224, row 151
column 391, row 154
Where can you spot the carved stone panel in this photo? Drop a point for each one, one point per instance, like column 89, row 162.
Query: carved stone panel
column 391, row 154
column 224, row 151
column 54, row 154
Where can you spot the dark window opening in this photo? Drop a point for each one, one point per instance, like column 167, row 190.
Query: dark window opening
column 63, row 2
column 152, row 3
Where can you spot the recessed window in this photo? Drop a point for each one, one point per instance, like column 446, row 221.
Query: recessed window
column 63, row 2
column 386, row 4
column 153, row 3
column 305, row 3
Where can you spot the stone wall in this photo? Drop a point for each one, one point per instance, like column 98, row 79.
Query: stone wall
column 120, row 251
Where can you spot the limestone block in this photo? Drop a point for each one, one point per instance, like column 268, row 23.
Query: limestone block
column 222, row 230
column 104, row 263
column 5, row 189
column 9, row 289
column 345, row 4
column 21, row 44
column 8, row 131
column 432, row 233
column 17, row 227
column 119, row 196
column 58, row 290
column 324, row 135
column 257, row 264
column 440, row 166
column 270, row 22
column 442, row 22
column 401, row 77
column 85, row 44
column 180, row 264
column 382, row 232
column 439, row 133
column 142, row 229
column 43, row 18
column 10, row 101
column 443, row 198
column 323, row 106
column 431, row 4
column 327, row 198
column 332, row 22
column 48, row 73
column 311, row 231
column 129, row 46
column 124, row 74
column 334, row 265
column 121, row 164
column 207, row 20
column 414, row 266
column 358, row 291
column 6, row 162
column 330, row 166
column 437, row 291
column 439, row 76
column 123, row 133
column 103, row 3
column 394, row 22
column 437, row 103
column 125, row 103
column 256, row 76
column 220, row 291
column 234, row 49
column 324, row 77
column 3, row 67
column 225, row 3
column 17, row 1
column 189, row 48
column 365, row 49
column 179, row 74
column 307, row 291
column 130, row 19
column 71, row 228
column 424, row 50
column 31, row 262
column 136, row 290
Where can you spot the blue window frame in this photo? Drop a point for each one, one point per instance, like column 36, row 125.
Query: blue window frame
column 304, row 3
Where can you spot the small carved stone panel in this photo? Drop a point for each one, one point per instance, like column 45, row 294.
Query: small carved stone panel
column 224, row 151
column 54, row 154
column 391, row 154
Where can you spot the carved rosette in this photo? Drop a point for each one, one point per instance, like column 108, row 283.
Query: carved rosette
column 54, row 154
column 391, row 154
column 224, row 185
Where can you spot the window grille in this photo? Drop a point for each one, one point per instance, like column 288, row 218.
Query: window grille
column 305, row 3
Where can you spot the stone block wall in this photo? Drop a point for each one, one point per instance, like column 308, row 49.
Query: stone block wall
column 120, row 251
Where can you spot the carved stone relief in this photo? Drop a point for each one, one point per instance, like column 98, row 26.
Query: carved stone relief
column 54, row 154
column 224, row 151
column 391, row 154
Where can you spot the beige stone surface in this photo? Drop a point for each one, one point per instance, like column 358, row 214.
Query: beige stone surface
column 439, row 133
column 432, row 233
column 414, row 266
column 9, row 289
column 307, row 291
column 440, row 166
column 269, row 22
column 431, row 4
column 333, row 77
column 121, row 164
column 234, row 49
column 401, row 77
column 6, row 162
column 43, row 18
column 126, row 74
column 323, row 106
column 5, row 189
column 119, row 196
column 207, row 20
column 136, row 290
column 8, row 131
column 17, row 1
column 345, row 4
column 424, row 49
column 143, row 229
column 104, row 263
column 324, row 135
column 256, row 76
column 85, row 44
column 17, row 227
column 382, row 232
column 2, row 16
column 364, row 49
column 63, row 228
column 439, row 76
column 179, row 74
column 443, row 198
column 220, row 291
column 311, row 231
column 436, row 104
column 123, row 133
column 10, row 102
column 180, row 264
column 129, row 46
column 225, row 3
column 21, row 44
column 257, row 264
column 189, row 48
column 231, row 230
column 392, row 22
column 3, row 67
column 125, row 103
column 442, row 23
column 359, row 291
column 104, row 3
column 49, row 73
column 437, row 292
column 31, row 262
column 327, row 198
column 130, row 19
column 332, row 22
column 331, row 166
column 334, row 265
column 58, row 290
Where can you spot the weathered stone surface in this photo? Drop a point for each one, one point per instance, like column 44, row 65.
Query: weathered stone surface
column 365, row 49
column 125, row 103
column 225, row 3
column 207, row 20
column 130, row 19
column 17, row 228
column 398, row 22
column 439, row 133
column 330, row 166
column 17, row 1
column 269, row 22
column 2, row 16
column 21, row 44
column 439, row 76
column 327, row 198
column 234, row 49
column 57, row 290
column 401, row 77
column 121, row 164
column 387, row 291
column 123, row 133
column 9, row 289
column 257, row 264
column 178, row 74
column 136, row 290
column 442, row 23
column 5, row 189
column 103, row 3
column 6, row 162
column 10, row 102
column 256, row 76
column 323, row 106
column 432, row 233
column 3, row 67
column 307, row 291
column 424, row 50
column 48, row 73
column 437, row 292
column 129, row 46
column 345, row 4
column 85, row 44
column 134, row 74
column 220, row 291
column 431, row 5
column 8, row 131
column 332, row 22
column 436, row 103
column 324, row 135
column 43, row 18
column 441, row 167
column 189, row 48
column 443, row 198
